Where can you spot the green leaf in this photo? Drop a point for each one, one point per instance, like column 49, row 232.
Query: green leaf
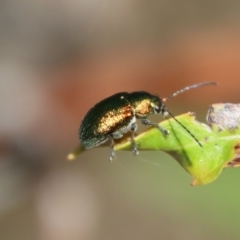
column 220, row 142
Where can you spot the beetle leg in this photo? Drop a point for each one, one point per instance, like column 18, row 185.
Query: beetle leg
column 112, row 153
column 134, row 145
column 147, row 122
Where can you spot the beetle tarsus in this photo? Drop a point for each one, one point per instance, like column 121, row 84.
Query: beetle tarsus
column 164, row 131
column 112, row 154
column 134, row 145
column 135, row 151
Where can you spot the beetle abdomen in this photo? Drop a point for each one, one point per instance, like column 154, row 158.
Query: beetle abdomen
column 110, row 116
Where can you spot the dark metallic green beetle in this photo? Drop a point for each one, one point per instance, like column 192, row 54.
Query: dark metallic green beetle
column 116, row 115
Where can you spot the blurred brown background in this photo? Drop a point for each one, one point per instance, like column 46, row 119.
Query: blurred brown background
column 58, row 58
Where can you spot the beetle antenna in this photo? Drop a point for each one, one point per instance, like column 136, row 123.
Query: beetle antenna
column 181, row 91
column 184, row 128
column 188, row 88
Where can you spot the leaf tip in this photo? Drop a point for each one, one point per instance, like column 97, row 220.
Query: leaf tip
column 71, row 156
column 196, row 182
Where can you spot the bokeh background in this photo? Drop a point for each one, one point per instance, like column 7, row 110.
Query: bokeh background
column 57, row 59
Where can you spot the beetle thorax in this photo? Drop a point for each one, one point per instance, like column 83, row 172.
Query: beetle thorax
column 144, row 104
column 143, row 108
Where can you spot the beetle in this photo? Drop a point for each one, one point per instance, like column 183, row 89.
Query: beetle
column 116, row 115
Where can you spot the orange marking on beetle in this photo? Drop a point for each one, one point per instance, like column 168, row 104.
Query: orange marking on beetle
column 143, row 108
column 111, row 121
